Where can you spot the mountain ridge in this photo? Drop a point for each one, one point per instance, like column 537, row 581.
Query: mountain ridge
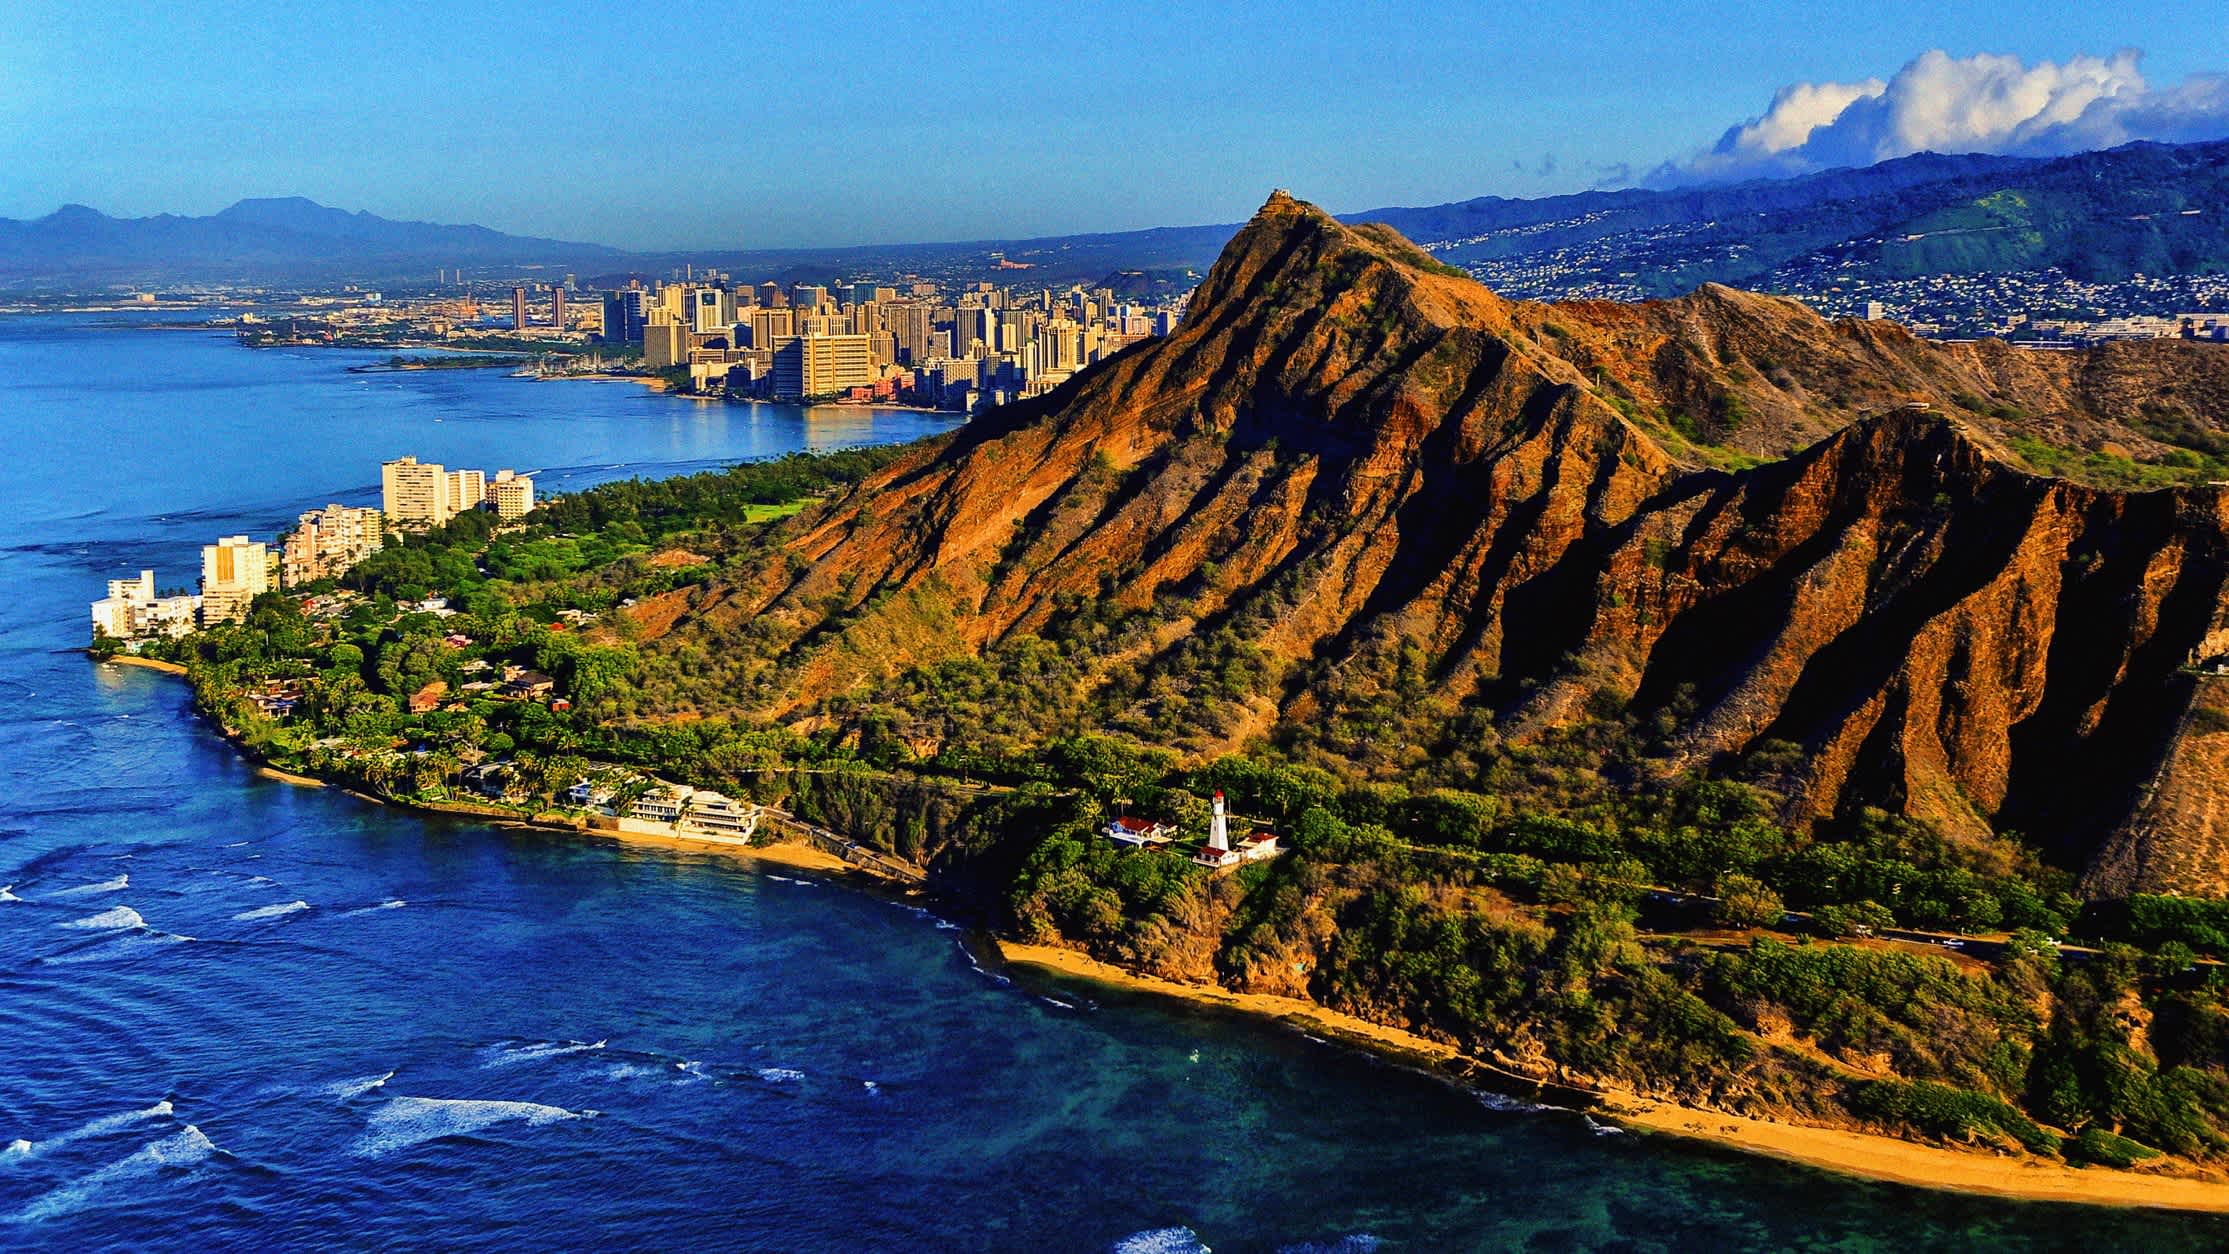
column 2097, row 214
column 1352, row 474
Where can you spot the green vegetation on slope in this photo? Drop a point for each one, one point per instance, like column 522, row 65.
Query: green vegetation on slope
column 1548, row 906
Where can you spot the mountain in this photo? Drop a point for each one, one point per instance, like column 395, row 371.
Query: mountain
column 1363, row 510
column 2143, row 208
column 273, row 240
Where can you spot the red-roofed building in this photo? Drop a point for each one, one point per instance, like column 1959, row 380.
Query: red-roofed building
column 1138, row 833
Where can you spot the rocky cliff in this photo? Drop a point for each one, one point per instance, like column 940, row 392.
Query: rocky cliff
column 1413, row 517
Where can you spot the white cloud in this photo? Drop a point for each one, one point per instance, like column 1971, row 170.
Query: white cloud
column 1941, row 103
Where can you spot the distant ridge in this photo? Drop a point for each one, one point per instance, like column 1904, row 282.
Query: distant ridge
column 279, row 239
column 2149, row 208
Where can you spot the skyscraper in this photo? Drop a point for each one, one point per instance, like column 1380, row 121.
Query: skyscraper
column 467, row 488
column 414, row 493
column 557, row 308
column 518, row 309
column 234, row 572
column 513, row 494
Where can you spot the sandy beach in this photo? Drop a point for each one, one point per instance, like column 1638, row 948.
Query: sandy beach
column 153, row 664
column 1834, row 1149
column 796, row 855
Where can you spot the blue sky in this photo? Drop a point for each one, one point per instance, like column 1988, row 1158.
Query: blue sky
column 741, row 125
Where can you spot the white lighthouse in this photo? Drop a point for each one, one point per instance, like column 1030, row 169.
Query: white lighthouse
column 1217, row 852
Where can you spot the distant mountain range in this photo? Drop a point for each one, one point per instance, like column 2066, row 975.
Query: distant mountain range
column 2155, row 209
column 285, row 239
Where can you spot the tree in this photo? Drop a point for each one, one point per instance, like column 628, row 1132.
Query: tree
column 1745, row 901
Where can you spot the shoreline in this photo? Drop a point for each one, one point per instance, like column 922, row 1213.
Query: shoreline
column 149, row 663
column 1861, row 1155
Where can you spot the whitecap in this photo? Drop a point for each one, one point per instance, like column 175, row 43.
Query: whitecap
column 344, row 1090
column 270, row 912
column 780, row 1075
column 6, row 895
column 1162, row 1241
column 1601, row 1127
column 123, row 944
column 108, row 920
column 632, row 1071
column 535, row 1051
column 261, row 879
column 184, row 1148
column 980, row 969
column 395, row 903
column 407, row 1121
column 118, row 884
column 234, row 845
column 21, row 1148
column 1504, row 1104
column 1055, row 1001
column 1352, row 1243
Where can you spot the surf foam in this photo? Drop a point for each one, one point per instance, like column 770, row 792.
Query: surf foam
column 344, row 1090
column 107, row 920
column 1162, row 1241
column 184, row 1148
column 118, row 884
column 21, row 1148
column 407, row 1121
column 270, row 912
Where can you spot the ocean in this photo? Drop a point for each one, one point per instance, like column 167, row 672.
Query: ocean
column 238, row 1014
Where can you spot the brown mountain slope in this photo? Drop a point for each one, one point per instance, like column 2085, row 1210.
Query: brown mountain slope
column 1423, row 518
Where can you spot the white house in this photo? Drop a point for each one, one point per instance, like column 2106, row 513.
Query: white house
column 1138, row 833
column 1218, row 852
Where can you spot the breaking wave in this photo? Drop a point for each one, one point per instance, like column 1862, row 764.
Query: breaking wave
column 181, row 1149
column 344, row 1090
column 1162, row 1241
column 1503, row 1103
column 407, row 1121
column 1353, row 1243
column 108, row 920
column 6, row 895
column 126, row 941
column 535, row 1051
column 21, row 1148
column 118, row 884
column 780, row 1075
column 270, row 912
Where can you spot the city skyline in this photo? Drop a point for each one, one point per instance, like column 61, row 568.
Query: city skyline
column 841, row 126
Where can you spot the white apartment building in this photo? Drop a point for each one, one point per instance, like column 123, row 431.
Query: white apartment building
column 328, row 541
column 468, row 489
column 415, row 494
column 234, row 572
column 513, row 494
column 132, row 611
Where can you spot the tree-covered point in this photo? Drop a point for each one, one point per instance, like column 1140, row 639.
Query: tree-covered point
column 588, row 530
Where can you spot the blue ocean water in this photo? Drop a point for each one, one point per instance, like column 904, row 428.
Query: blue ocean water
column 236, row 1014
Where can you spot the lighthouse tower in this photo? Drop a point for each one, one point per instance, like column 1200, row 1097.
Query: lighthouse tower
column 1219, row 832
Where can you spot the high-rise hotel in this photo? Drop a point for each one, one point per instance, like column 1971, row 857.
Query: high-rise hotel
column 234, row 572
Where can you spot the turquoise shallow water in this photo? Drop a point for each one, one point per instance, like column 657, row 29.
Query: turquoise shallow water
column 240, row 1015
